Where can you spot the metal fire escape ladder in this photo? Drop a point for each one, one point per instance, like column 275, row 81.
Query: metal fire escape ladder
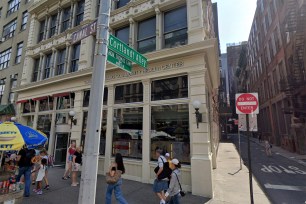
column 291, row 16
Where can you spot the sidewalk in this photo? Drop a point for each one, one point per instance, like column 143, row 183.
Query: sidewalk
column 230, row 185
column 134, row 192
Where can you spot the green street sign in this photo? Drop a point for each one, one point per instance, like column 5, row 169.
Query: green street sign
column 127, row 52
column 119, row 61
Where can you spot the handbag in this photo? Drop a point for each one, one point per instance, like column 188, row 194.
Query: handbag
column 181, row 190
column 113, row 179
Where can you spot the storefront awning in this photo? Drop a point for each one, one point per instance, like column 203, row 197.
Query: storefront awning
column 7, row 109
column 22, row 101
column 40, row 98
column 61, row 94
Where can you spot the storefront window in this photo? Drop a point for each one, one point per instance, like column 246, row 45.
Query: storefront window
column 127, row 132
column 170, row 88
column 170, row 131
column 44, row 125
column 62, row 118
column 87, row 96
column 29, row 107
column 46, row 104
column 103, row 131
column 65, row 102
column 129, row 93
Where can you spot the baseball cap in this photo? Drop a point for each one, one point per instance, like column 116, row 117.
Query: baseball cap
column 175, row 161
column 167, row 155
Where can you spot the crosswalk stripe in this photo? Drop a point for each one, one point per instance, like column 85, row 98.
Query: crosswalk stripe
column 286, row 187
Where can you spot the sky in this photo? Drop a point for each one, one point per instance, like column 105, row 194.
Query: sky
column 235, row 19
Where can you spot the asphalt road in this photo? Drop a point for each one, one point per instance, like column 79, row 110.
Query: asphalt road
column 283, row 180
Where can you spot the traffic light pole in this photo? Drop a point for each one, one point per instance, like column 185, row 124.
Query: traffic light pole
column 92, row 141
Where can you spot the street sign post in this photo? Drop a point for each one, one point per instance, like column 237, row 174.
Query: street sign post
column 119, row 61
column 247, row 103
column 127, row 52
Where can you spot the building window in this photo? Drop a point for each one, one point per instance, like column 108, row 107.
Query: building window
column 129, row 93
column 80, row 12
column 24, row 20
column 35, row 70
column 41, row 30
column 2, row 87
column 66, row 19
column 60, row 68
column 75, row 58
column 5, row 57
column 29, row 107
column 0, row 12
column 170, row 131
column 52, row 25
column 47, row 69
column 44, row 124
column 46, row 104
column 13, row 6
column 127, row 132
column 9, row 29
column 121, row 3
column 18, row 53
column 123, row 34
column 175, row 27
column 87, row 96
column 65, row 102
column 146, row 41
column 103, row 131
column 170, row 88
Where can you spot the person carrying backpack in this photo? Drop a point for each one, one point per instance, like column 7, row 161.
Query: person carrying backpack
column 163, row 173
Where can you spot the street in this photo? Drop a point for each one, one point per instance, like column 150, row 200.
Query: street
column 283, row 180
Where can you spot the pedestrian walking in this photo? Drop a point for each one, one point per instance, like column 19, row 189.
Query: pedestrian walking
column 173, row 194
column 163, row 173
column 268, row 147
column 41, row 172
column 70, row 153
column 76, row 165
column 44, row 155
column 25, row 165
column 116, row 187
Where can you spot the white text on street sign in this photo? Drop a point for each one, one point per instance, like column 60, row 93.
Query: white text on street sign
column 247, row 103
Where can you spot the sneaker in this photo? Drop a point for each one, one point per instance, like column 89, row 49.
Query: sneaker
column 33, row 182
column 35, row 190
column 74, row 184
column 69, row 177
column 64, row 178
column 47, row 187
column 162, row 202
column 39, row 192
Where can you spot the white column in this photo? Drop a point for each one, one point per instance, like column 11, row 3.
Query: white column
column 52, row 130
column 146, row 131
column 201, row 157
column 41, row 67
column 77, row 129
column 109, row 128
column 132, row 36
column 47, row 26
column 73, row 13
column 36, row 115
column 195, row 18
column 159, row 29
column 68, row 58
column 58, row 21
column 53, row 62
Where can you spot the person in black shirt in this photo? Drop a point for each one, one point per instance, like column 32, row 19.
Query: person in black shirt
column 25, row 165
column 76, row 165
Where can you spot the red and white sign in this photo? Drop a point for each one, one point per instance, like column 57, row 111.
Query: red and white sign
column 247, row 103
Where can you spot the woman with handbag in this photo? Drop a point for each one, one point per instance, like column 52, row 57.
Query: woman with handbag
column 76, row 166
column 114, row 180
column 174, row 192
column 70, row 153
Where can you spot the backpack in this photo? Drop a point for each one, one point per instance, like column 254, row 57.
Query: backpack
column 166, row 173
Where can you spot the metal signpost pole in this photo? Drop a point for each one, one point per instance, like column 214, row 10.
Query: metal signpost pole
column 92, row 141
column 239, row 148
column 249, row 160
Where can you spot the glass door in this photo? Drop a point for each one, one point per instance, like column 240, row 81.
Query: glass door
column 61, row 144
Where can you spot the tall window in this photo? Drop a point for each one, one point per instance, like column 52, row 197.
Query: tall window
column 65, row 102
column 123, row 34
column 46, row 104
column 52, row 25
column 47, row 68
column 75, row 58
column 5, row 57
column 13, row 6
column 41, row 30
column 127, row 132
column 60, row 62
column 129, row 93
column 146, row 41
column 2, row 87
column 170, row 131
column 80, row 12
column 13, row 85
column 24, row 20
column 35, row 70
column 18, row 53
column 175, row 27
column 87, row 96
column 66, row 19
column 9, row 29
column 171, row 88
column 122, row 3
column 29, row 107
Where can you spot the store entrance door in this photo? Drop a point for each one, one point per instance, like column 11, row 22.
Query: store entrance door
column 61, row 145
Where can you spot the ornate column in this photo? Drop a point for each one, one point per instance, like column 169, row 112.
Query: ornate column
column 195, row 19
column 159, row 29
column 67, row 57
column 53, row 61
column 58, row 21
column 72, row 13
column 47, row 26
column 41, row 65
column 132, row 40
